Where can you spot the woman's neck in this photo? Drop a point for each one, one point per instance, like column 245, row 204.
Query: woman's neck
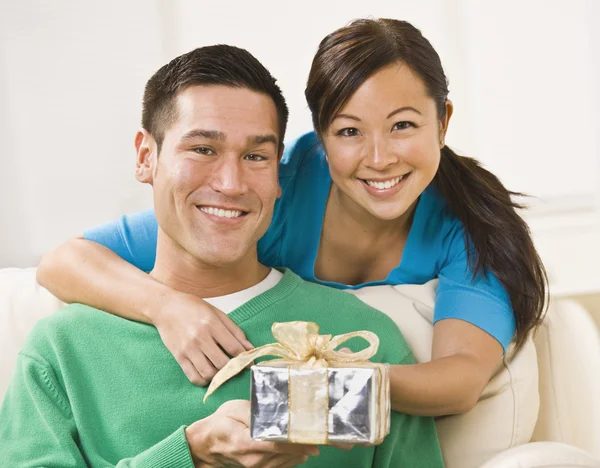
column 354, row 222
column 356, row 247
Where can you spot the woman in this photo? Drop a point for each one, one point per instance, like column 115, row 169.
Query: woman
column 372, row 197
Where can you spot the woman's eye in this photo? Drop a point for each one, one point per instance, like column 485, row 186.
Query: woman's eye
column 349, row 132
column 203, row 150
column 255, row 157
column 402, row 125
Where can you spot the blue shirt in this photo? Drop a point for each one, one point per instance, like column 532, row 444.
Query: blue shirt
column 435, row 247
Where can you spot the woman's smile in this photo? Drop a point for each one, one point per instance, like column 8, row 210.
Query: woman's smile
column 384, row 188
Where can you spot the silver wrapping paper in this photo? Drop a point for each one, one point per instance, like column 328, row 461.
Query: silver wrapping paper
column 356, row 405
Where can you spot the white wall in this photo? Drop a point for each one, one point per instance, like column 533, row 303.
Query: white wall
column 72, row 79
column 520, row 72
column 285, row 37
column 532, row 94
column 523, row 78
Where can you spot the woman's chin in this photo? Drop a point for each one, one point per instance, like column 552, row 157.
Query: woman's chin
column 388, row 211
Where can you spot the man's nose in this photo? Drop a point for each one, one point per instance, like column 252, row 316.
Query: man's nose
column 228, row 178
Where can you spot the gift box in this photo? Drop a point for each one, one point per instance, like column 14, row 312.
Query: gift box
column 342, row 404
column 314, row 395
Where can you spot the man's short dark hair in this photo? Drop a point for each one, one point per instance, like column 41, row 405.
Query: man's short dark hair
column 212, row 65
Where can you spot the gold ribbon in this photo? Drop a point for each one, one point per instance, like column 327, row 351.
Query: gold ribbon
column 299, row 342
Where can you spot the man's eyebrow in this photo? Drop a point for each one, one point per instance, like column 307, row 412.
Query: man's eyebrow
column 260, row 139
column 201, row 133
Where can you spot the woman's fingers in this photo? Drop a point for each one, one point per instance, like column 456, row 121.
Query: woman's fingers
column 192, row 373
column 237, row 332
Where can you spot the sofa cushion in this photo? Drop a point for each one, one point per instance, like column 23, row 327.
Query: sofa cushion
column 22, row 303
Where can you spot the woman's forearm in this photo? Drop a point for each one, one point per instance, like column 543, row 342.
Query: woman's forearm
column 444, row 386
column 87, row 272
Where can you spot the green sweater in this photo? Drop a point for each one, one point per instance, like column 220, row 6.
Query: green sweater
column 93, row 389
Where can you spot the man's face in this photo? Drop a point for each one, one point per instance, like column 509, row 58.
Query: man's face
column 215, row 179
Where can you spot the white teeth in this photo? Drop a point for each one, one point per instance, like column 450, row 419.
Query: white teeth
column 221, row 213
column 385, row 185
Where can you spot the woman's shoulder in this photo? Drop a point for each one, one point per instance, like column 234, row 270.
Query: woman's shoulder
column 303, row 172
column 436, row 236
column 303, row 154
column 439, row 235
column 434, row 217
column 302, row 168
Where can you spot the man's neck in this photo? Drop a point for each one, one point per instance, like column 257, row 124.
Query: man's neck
column 179, row 270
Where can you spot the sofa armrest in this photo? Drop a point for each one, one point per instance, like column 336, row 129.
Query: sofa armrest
column 543, row 455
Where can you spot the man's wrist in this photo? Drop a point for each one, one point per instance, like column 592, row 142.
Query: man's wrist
column 197, row 439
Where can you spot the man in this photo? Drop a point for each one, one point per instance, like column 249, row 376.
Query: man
column 93, row 389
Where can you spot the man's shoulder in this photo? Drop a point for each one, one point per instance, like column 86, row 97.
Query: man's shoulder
column 71, row 315
column 331, row 296
column 341, row 312
column 70, row 327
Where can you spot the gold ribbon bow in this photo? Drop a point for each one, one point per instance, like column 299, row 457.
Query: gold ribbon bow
column 299, row 342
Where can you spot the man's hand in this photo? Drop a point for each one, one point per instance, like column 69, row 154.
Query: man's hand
column 223, row 440
column 194, row 332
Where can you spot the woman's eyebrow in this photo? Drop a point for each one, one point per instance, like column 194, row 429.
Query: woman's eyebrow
column 346, row 116
column 402, row 109
column 391, row 114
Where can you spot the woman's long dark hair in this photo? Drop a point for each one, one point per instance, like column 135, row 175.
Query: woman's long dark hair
column 501, row 239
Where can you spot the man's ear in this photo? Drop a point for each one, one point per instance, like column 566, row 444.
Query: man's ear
column 444, row 123
column 146, row 156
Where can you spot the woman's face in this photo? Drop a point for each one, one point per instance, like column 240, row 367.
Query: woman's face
column 384, row 145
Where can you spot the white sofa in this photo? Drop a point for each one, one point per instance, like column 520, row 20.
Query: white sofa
column 563, row 362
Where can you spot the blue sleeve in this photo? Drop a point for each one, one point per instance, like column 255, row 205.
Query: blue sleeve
column 133, row 237
column 482, row 301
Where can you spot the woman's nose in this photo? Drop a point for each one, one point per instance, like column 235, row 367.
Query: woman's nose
column 379, row 156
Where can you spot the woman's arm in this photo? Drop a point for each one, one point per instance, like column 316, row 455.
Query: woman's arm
column 193, row 331
column 473, row 326
column 87, row 272
column 464, row 358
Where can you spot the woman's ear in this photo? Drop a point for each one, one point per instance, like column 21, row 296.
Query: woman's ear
column 146, row 157
column 445, row 122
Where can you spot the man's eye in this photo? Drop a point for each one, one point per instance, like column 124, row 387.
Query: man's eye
column 203, row 150
column 349, row 132
column 402, row 125
column 254, row 157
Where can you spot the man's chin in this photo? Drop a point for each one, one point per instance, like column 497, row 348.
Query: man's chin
column 223, row 257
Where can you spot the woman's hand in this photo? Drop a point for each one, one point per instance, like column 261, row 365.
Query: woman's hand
column 198, row 335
